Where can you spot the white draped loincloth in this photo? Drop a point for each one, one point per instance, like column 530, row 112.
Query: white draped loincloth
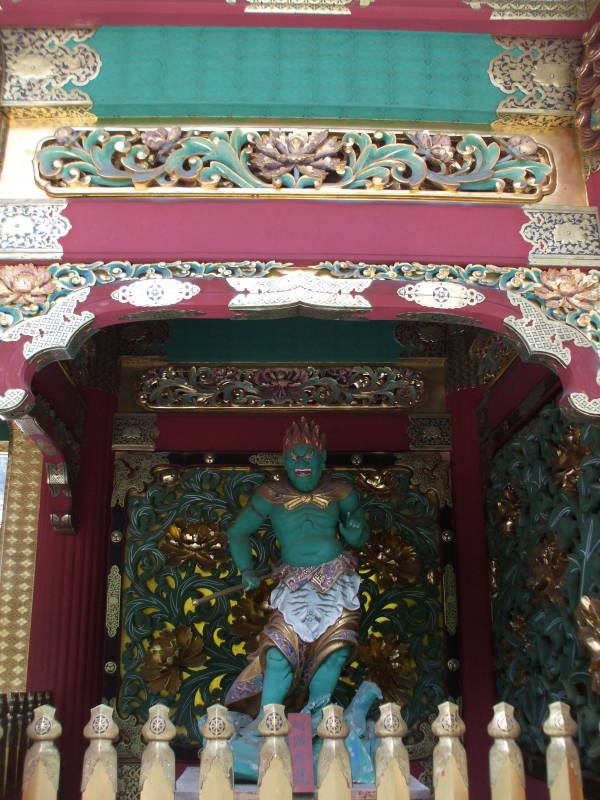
column 310, row 612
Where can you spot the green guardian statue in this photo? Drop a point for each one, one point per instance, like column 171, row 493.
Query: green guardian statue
column 313, row 625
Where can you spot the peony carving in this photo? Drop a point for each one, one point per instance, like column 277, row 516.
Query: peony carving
column 569, row 290
column 25, row 285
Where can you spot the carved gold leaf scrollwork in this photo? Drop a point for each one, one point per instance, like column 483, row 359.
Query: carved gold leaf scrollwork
column 587, row 616
column 200, row 387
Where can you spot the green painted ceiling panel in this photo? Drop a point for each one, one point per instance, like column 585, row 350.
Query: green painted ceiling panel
column 285, row 72
column 295, row 339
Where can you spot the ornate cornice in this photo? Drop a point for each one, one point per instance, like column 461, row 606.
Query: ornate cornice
column 539, row 79
column 570, row 296
column 317, row 163
column 555, row 10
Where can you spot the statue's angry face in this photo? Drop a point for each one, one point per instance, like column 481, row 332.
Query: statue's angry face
column 304, row 465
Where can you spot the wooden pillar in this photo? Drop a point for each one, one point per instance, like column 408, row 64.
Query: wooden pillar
column 216, row 763
column 157, row 774
column 275, row 780
column 450, row 779
column 334, row 776
column 472, row 573
column 99, row 776
column 563, row 769
column 507, row 775
column 392, row 768
column 41, row 770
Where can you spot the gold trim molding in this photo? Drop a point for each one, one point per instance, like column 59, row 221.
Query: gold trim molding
column 301, row 6
column 18, row 542
column 554, row 10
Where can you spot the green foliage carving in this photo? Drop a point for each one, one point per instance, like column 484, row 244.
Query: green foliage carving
column 401, row 609
column 543, row 507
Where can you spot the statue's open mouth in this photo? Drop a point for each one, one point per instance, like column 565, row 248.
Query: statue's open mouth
column 303, row 473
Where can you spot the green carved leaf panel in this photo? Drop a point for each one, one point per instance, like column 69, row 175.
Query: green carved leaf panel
column 543, row 510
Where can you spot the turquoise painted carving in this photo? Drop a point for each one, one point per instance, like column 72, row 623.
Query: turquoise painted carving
column 317, row 163
column 543, row 510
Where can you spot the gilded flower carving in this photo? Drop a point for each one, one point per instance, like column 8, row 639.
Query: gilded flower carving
column 314, row 154
column 249, row 614
column 508, row 508
column 569, row 454
column 549, row 565
column 279, row 383
column 170, row 653
column 393, row 562
column 202, row 543
column 25, row 285
column 587, row 616
column 388, row 663
column 569, row 290
column 381, row 484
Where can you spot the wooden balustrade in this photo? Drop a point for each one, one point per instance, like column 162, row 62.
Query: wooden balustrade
column 275, row 781
column 450, row 778
column 99, row 776
column 275, row 767
column 334, row 778
column 392, row 769
column 41, row 771
column 507, row 776
column 157, row 773
column 16, row 711
column 216, row 764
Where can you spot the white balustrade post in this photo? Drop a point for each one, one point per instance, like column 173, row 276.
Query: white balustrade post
column 334, row 776
column 41, row 771
column 275, row 768
column 216, row 762
column 450, row 778
column 563, row 770
column 99, row 777
column 157, row 774
column 392, row 768
column 507, row 775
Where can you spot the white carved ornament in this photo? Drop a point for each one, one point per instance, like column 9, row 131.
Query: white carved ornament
column 31, row 229
column 12, row 399
column 53, row 331
column 155, row 292
column 581, row 402
column 299, row 288
column 543, row 336
column 437, row 294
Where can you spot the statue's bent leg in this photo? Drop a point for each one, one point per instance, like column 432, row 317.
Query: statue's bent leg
column 326, row 676
column 278, row 677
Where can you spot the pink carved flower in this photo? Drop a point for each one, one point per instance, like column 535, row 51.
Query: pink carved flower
column 25, row 284
column 569, row 289
column 161, row 140
column 314, row 154
column 438, row 145
column 524, row 145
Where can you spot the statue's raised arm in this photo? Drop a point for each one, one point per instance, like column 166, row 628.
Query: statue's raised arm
column 313, row 626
